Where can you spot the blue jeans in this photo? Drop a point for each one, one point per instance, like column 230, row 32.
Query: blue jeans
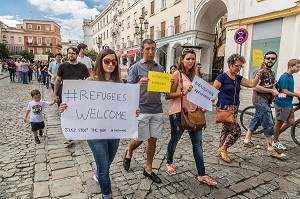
column 196, row 138
column 104, row 152
column 25, row 77
column 263, row 117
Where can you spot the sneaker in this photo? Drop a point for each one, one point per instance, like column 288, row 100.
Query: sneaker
column 278, row 145
column 41, row 132
column 37, row 140
column 276, row 154
column 95, row 177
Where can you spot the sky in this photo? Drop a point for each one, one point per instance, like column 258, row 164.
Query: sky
column 68, row 14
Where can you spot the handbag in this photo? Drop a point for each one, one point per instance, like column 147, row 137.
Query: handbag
column 191, row 120
column 226, row 116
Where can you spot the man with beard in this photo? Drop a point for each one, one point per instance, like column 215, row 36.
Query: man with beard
column 83, row 51
column 263, row 95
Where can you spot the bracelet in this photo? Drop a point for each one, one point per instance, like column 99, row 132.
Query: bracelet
column 258, row 74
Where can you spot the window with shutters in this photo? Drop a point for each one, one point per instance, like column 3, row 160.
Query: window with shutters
column 152, row 32
column 163, row 29
column 177, row 24
column 152, row 7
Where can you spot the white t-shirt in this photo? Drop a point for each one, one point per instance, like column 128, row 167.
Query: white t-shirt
column 85, row 60
column 36, row 110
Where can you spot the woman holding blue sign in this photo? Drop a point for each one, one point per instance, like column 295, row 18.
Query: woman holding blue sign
column 229, row 85
column 104, row 150
column 186, row 72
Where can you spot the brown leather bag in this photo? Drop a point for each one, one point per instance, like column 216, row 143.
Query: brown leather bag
column 226, row 116
column 191, row 120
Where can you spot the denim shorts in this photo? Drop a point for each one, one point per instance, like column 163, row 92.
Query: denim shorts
column 263, row 117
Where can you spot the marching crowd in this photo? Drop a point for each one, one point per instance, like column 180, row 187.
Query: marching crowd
column 150, row 111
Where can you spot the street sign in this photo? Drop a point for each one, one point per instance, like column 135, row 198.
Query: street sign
column 240, row 36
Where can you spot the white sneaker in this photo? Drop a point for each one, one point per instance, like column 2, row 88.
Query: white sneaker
column 95, row 178
column 278, row 145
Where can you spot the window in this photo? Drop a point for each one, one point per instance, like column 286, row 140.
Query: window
column 103, row 21
column 39, row 41
column 128, row 3
column 30, row 40
column 128, row 22
column 163, row 29
column 100, row 24
column 38, row 27
column 12, row 40
column 20, row 39
column 152, row 7
column 40, row 51
column 48, row 50
column 177, row 24
column 30, row 26
column 128, row 38
column 48, row 41
column 152, row 32
column 122, row 24
column 163, row 4
column 106, row 18
column 106, row 33
column 47, row 27
column 31, row 50
column 135, row 17
column 143, row 12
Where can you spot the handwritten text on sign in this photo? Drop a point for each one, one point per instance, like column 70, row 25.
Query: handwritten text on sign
column 202, row 93
column 159, row 82
column 257, row 57
column 99, row 110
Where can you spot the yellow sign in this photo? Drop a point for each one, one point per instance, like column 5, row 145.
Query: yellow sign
column 257, row 57
column 159, row 82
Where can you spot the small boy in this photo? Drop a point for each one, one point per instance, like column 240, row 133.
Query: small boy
column 283, row 106
column 35, row 108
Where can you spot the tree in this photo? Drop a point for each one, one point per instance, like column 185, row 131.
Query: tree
column 27, row 55
column 4, row 51
column 92, row 52
column 65, row 58
column 50, row 54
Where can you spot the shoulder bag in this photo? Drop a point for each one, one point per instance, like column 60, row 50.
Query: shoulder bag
column 191, row 120
column 226, row 116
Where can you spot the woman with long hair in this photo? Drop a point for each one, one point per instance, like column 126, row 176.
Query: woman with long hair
column 104, row 150
column 187, row 71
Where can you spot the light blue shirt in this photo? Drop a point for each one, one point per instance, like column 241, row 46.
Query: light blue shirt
column 53, row 67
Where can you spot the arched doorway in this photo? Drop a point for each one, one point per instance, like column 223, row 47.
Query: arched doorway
column 211, row 34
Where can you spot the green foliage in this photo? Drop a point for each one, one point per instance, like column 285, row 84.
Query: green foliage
column 4, row 51
column 50, row 55
column 65, row 58
column 92, row 52
column 27, row 55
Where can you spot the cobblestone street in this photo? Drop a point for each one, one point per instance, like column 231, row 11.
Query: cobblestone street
column 51, row 170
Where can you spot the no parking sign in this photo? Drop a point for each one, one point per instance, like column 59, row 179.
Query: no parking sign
column 241, row 35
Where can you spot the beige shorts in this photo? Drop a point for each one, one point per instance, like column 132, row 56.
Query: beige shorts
column 284, row 113
column 150, row 125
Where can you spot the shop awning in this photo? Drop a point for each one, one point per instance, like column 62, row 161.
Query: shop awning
column 221, row 51
column 132, row 52
column 159, row 46
column 120, row 53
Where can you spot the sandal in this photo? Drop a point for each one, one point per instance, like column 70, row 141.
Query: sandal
column 171, row 170
column 206, row 180
column 219, row 154
column 251, row 145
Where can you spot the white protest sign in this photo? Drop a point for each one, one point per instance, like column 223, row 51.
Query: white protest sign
column 99, row 110
column 202, row 93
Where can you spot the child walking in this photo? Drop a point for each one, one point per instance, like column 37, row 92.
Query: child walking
column 35, row 108
column 283, row 106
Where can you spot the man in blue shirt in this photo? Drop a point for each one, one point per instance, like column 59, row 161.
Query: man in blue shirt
column 283, row 106
column 53, row 67
column 150, row 119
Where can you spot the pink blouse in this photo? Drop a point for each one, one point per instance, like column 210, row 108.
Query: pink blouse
column 175, row 104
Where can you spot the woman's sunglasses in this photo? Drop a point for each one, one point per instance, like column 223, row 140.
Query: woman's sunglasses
column 108, row 61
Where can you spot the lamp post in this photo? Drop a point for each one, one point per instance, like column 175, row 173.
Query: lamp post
column 139, row 30
column 99, row 43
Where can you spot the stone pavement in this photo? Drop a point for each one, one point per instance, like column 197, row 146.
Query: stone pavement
column 50, row 170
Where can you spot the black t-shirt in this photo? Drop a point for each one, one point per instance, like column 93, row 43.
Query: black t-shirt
column 70, row 71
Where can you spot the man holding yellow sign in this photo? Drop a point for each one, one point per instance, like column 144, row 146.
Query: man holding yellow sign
column 150, row 120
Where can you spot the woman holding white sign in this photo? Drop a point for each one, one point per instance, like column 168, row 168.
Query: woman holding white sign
column 187, row 69
column 229, row 85
column 104, row 150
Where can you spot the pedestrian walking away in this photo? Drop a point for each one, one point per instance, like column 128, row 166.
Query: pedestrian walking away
column 284, row 111
column 150, row 121
column 35, row 108
column 229, row 85
column 104, row 150
column 183, row 78
column 263, row 95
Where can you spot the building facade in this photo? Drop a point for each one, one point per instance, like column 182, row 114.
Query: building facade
column 67, row 44
column 208, row 26
column 13, row 37
column 41, row 37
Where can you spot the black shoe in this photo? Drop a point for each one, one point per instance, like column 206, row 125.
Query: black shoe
column 152, row 176
column 126, row 162
column 37, row 140
column 41, row 132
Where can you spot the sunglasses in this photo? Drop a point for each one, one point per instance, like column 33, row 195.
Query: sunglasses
column 272, row 58
column 239, row 66
column 188, row 50
column 108, row 61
